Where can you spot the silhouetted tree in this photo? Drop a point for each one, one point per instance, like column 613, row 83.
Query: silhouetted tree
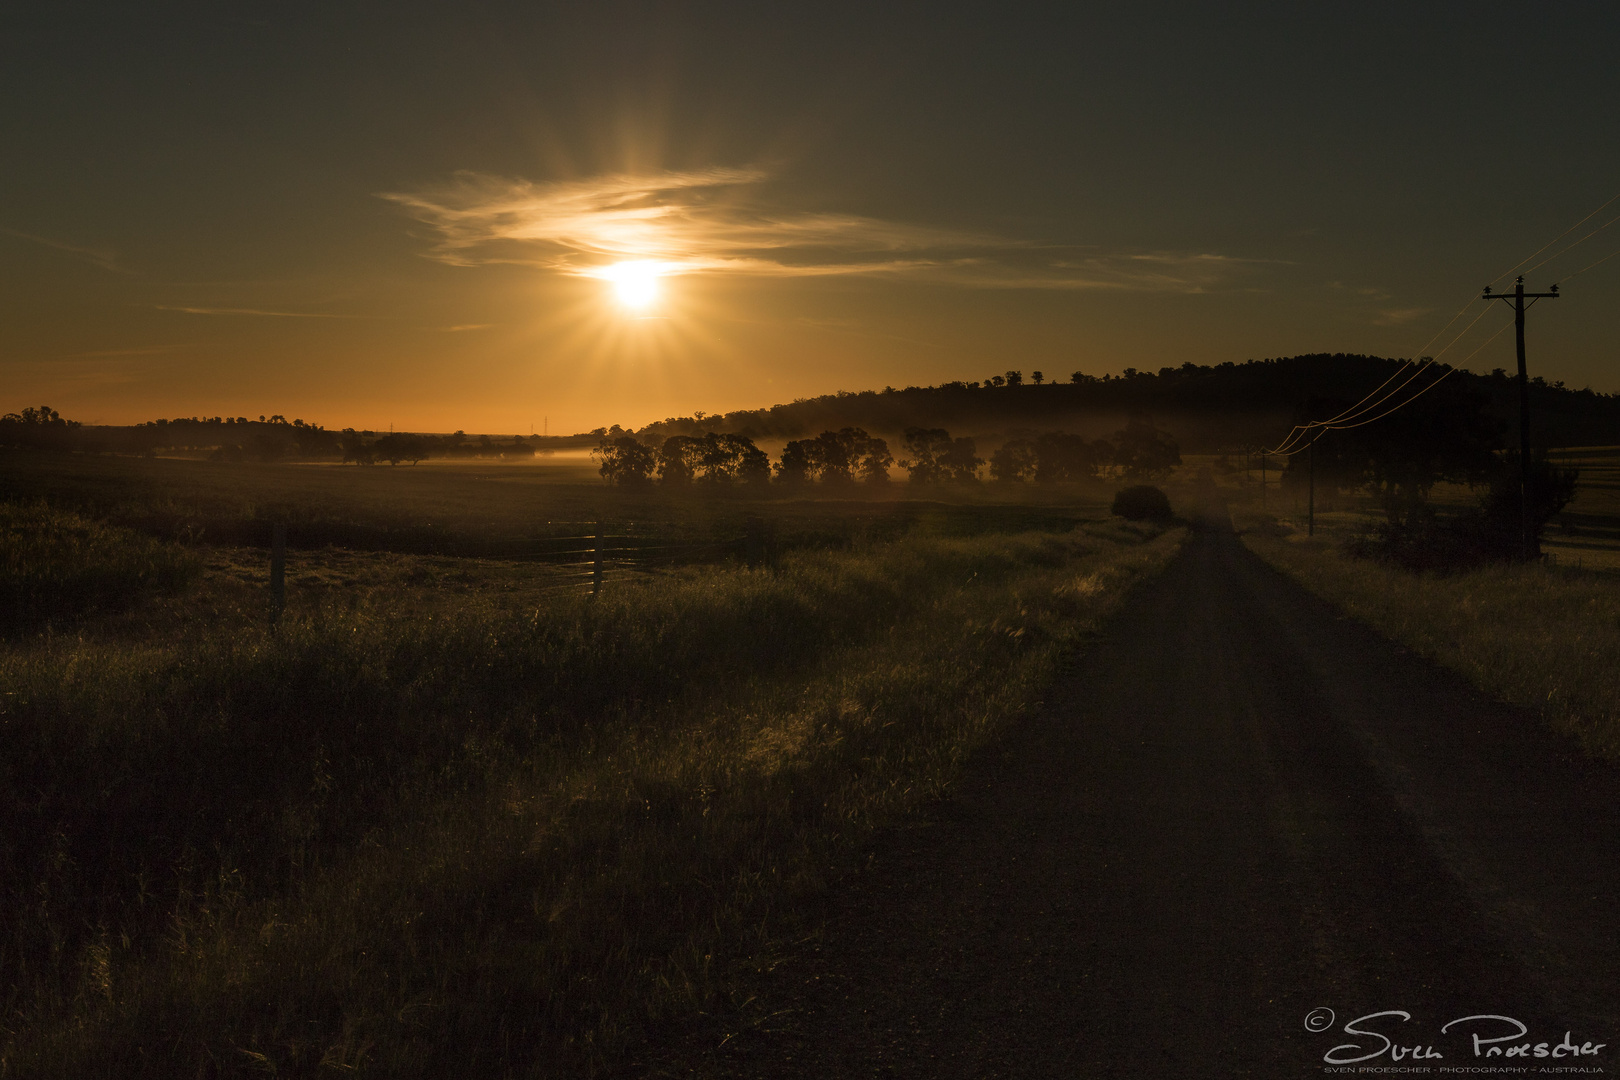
column 796, row 465
column 396, row 447
column 1503, row 513
column 726, row 458
column 1061, row 456
column 272, row 442
column 1442, row 436
column 833, row 453
column 626, row 461
column 1016, row 460
column 925, row 445
column 835, row 457
column 1142, row 450
column 38, row 429
column 1015, row 378
column 875, row 460
column 935, row 456
column 354, row 447
column 844, row 455
column 1037, row 377
column 679, row 459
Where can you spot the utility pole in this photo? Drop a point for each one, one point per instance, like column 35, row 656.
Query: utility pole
column 1310, row 505
column 1263, row 456
column 1517, row 299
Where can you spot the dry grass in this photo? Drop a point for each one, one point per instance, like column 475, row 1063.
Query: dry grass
column 1546, row 637
column 500, row 837
column 55, row 564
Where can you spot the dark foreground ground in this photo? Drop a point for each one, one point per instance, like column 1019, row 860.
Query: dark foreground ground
column 1244, row 811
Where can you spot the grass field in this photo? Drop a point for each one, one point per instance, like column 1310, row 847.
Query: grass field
column 1587, row 533
column 443, row 820
column 462, row 508
column 1545, row 636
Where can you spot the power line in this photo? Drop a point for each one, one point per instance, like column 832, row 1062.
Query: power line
column 1557, row 238
column 1589, row 266
column 1325, row 428
column 1448, row 373
column 1573, row 246
column 1288, row 446
column 1368, row 403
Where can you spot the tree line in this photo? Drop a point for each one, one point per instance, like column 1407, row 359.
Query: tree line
column 269, row 438
column 850, row 455
column 1211, row 408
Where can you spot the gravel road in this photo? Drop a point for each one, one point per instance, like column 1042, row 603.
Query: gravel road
column 1242, row 810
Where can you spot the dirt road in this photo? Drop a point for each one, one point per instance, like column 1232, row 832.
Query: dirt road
column 1241, row 810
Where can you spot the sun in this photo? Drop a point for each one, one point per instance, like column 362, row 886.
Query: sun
column 635, row 282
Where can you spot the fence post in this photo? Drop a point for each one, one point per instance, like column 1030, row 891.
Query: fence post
column 596, row 564
column 278, row 569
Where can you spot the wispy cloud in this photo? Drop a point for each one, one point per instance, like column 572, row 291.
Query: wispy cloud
column 252, row 311
column 145, row 350
column 712, row 221
column 1400, row 316
column 106, row 258
column 466, row 326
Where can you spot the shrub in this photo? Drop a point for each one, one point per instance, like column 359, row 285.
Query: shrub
column 1144, row 502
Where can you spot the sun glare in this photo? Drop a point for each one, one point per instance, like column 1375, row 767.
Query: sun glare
column 635, row 283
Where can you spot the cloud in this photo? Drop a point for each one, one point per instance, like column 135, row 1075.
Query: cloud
column 466, row 326
column 711, row 222
column 105, row 258
column 1400, row 316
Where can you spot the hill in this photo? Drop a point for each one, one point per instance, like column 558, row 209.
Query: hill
column 1227, row 407
column 1208, row 409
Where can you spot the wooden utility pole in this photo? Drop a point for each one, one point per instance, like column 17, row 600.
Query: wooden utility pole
column 1517, row 299
column 1310, row 505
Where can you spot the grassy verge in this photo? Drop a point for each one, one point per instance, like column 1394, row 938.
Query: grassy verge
column 1544, row 637
column 56, row 565
column 492, row 841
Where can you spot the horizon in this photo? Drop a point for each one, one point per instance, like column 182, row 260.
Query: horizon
column 444, row 219
column 1332, row 372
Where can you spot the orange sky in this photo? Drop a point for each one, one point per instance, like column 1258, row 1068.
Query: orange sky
column 363, row 220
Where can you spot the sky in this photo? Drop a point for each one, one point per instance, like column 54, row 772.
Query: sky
column 511, row 216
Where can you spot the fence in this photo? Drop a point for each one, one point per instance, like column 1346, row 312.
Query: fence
column 588, row 560
column 629, row 551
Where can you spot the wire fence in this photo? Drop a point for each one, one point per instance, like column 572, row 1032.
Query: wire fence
column 604, row 553
column 598, row 554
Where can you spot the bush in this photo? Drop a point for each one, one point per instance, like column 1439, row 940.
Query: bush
column 1422, row 540
column 1144, row 502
